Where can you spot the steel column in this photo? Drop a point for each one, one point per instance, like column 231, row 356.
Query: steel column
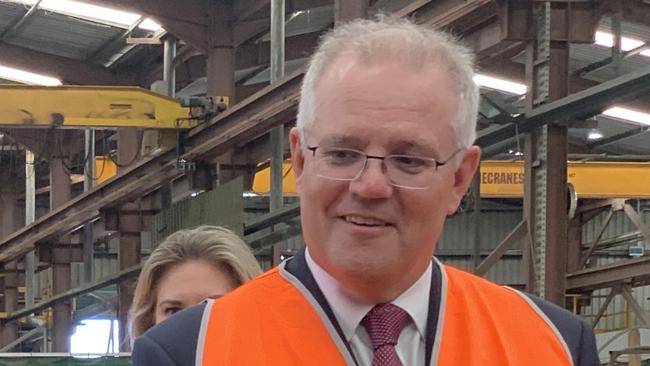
column 634, row 340
column 89, row 179
column 220, row 69
column 277, row 134
column 169, row 71
column 61, row 276
column 129, row 232
column 10, row 329
column 30, row 215
column 7, row 212
column 128, row 148
column 547, row 70
column 347, row 10
column 128, row 256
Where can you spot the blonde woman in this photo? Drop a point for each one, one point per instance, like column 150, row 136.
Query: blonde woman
column 186, row 268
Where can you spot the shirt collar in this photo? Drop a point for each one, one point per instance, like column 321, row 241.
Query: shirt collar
column 349, row 311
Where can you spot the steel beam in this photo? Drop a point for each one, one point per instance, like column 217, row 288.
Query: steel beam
column 636, row 220
column 603, row 308
column 641, row 314
column 285, row 214
column 516, row 234
column 121, row 276
column 582, row 104
column 636, row 272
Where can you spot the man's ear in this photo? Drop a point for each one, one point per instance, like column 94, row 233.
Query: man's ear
column 463, row 177
column 297, row 156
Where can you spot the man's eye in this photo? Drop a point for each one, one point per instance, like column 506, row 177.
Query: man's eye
column 410, row 163
column 342, row 156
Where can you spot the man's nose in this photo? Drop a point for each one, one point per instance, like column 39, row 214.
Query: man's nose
column 372, row 182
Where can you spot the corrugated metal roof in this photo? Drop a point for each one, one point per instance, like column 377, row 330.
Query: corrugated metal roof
column 9, row 13
column 63, row 35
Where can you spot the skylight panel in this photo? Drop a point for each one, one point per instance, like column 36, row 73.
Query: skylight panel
column 97, row 13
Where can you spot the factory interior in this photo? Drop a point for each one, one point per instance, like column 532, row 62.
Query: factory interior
column 122, row 121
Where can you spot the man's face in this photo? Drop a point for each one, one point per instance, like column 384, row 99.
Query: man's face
column 367, row 229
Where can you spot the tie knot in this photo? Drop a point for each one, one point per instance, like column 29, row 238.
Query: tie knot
column 384, row 324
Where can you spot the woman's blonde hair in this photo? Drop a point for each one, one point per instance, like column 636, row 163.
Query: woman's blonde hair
column 209, row 243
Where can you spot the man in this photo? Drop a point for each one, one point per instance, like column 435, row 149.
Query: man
column 383, row 154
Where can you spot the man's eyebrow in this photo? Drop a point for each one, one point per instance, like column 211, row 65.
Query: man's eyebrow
column 419, row 146
column 338, row 140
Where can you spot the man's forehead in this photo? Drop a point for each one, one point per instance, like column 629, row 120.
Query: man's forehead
column 359, row 139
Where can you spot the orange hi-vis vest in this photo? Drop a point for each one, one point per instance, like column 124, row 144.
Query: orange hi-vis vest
column 274, row 320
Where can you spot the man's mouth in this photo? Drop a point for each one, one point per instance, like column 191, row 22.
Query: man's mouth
column 365, row 221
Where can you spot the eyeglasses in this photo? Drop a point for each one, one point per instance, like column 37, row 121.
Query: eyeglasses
column 403, row 171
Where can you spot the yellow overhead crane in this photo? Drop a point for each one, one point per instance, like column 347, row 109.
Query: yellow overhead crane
column 90, row 106
column 504, row 179
column 109, row 107
column 113, row 107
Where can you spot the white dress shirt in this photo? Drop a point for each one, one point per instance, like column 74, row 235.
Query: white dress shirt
column 349, row 312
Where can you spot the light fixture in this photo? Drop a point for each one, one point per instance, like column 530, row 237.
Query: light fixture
column 26, row 77
column 594, row 134
column 628, row 115
column 94, row 12
column 507, row 86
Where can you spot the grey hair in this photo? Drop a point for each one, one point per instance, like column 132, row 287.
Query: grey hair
column 375, row 41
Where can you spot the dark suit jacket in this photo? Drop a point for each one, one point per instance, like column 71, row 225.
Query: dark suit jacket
column 174, row 341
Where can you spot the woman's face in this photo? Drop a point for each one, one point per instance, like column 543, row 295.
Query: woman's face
column 189, row 283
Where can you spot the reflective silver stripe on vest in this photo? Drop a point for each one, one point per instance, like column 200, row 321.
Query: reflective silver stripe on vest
column 548, row 321
column 343, row 350
column 435, row 351
column 205, row 319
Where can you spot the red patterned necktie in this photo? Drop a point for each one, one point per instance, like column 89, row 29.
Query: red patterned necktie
column 384, row 323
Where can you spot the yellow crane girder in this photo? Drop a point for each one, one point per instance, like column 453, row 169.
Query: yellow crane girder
column 90, row 106
column 504, row 179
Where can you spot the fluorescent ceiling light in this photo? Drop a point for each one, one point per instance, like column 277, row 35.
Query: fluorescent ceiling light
column 26, row 77
column 93, row 12
column 594, row 135
column 628, row 114
column 606, row 39
column 507, row 86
